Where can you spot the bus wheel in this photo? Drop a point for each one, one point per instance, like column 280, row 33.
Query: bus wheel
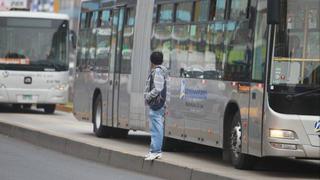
column 173, row 145
column 118, row 133
column 238, row 159
column 98, row 128
column 49, row 108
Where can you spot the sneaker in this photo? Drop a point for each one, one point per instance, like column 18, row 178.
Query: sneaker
column 153, row 156
column 147, row 155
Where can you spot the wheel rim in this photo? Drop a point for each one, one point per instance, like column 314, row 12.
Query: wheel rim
column 98, row 115
column 236, row 140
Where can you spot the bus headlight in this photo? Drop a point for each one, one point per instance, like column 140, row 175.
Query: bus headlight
column 2, row 86
column 283, row 134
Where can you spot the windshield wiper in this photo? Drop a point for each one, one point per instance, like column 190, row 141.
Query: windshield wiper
column 291, row 97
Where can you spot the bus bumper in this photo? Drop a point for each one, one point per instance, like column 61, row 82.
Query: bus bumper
column 290, row 136
column 32, row 96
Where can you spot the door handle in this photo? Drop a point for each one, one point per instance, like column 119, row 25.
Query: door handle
column 115, row 83
column 110, row 82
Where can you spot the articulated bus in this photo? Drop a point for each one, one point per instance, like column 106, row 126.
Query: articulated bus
column 244, row 74
column 34, row 66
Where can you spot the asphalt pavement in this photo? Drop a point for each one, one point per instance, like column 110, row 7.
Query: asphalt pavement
column 22, row 161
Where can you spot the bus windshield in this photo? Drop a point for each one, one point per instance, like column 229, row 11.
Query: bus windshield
column 33, row 44
column 296, row 60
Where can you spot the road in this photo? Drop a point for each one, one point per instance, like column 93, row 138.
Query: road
column 20, row 160
column 197, row 157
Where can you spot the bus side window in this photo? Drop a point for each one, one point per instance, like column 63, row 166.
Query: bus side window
column 260, row 46
column 165, row 13
column 81, row 44
column 92, row 33
column 238, row 9
column 88, row 20
column 201, row 11
column 239, row 43
column 82, row 20
column 184, row 12
column 128, row 41
column 94, row 20
column 130, row 17
column 217, row 9
column 105, row 18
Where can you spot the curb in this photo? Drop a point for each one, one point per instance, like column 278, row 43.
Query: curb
column 64, row 108
column 105, row 156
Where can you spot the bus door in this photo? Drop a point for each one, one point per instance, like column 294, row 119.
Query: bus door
column 114, row 71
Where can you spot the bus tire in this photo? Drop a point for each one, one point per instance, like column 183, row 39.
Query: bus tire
column 98, row 129
column 168, row 144
column 238, row 159
column 49, row 108
column 119, row 133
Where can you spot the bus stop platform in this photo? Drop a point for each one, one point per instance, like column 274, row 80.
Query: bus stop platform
column 62, row 132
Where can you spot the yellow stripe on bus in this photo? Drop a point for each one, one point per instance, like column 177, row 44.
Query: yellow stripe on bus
column 295, row 59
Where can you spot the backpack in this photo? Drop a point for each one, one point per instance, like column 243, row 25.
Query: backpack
column 159, row 101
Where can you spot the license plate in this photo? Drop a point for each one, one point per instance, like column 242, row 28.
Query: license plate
column 27, row 98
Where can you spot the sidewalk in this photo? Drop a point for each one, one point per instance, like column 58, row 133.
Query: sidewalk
column 61, row 132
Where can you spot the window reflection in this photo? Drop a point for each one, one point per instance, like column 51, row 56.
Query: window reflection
column 238, row 50
column 180, row 48
column 196, row 56
column 201, row 10
column 297, row 55
column 184, row 12
column 214, row 51
column 166, row 13
column 161, row 41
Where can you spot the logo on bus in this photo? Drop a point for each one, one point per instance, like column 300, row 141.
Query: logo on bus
column 317, row 127
column 27, row 80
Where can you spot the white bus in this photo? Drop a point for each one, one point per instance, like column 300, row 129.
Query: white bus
column 244, row 74
column 34, row 62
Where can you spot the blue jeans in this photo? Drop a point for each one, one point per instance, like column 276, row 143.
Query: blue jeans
column 156, row 129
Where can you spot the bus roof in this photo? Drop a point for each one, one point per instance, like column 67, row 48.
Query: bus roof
column 28, row 14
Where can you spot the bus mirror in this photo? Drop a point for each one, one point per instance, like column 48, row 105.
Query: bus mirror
column 73, row 39
column 273, row 12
